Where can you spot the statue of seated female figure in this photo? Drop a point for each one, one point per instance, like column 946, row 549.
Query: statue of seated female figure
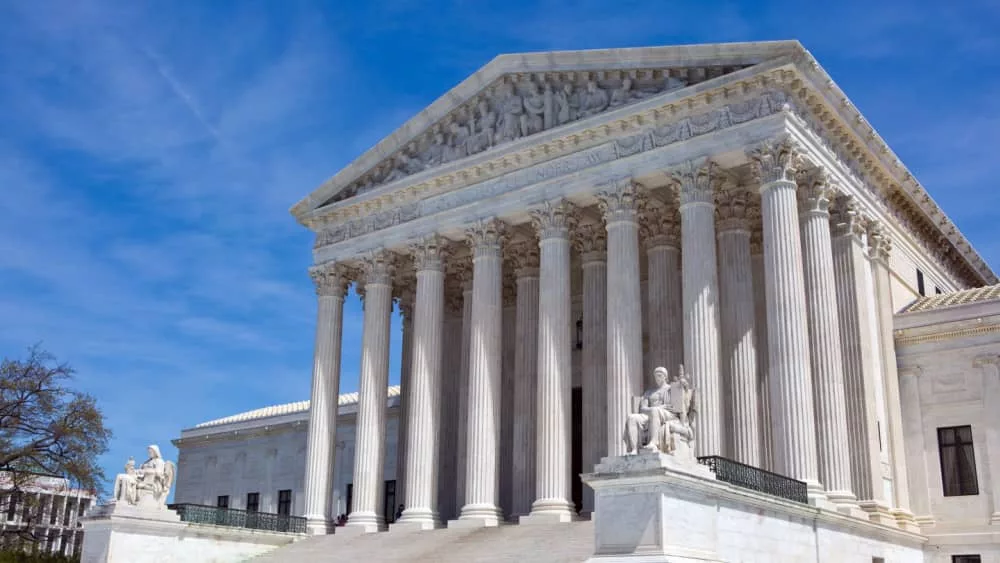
column 664, row 415
column 149, row 485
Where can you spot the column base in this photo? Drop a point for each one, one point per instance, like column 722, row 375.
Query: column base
column 319, row 526
column 817, row 496
column 847, row 504
column 417, row 520
column 927, row 521
column 905, row 520
column 478, row 516
column 364, row 523
column 878, row 512
column 549, row 511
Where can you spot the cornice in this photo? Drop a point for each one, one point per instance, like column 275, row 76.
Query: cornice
column 907, row 338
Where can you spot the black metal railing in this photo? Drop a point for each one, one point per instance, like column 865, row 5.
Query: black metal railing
column 755, row 479
column 234, row 518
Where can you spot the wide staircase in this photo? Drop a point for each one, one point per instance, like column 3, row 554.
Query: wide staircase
column 554, row 543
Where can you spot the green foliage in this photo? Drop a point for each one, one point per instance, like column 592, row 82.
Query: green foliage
column 23, row 557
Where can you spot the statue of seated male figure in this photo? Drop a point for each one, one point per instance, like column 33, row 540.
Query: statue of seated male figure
column 663, row 416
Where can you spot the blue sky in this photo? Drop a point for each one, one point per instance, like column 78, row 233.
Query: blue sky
column 149, row 152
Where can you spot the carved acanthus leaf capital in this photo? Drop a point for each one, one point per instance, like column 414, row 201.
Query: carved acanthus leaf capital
column 879, row 243
column 591, row 241
column 554, row 219
column 732, row 208
column 774, row 161
column 816, row 190
column 846, row 218
column 660, row 225
column 405, row 299
column 430, row 253
column 486, row 237
column 378, row 267
column 620, row 200
column 694, row 181
column 523, row 257
column 331, row 280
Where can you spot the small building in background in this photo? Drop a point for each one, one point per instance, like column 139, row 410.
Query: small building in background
column 43, row 515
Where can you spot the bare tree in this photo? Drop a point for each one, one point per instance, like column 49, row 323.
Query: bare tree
column 46, row 429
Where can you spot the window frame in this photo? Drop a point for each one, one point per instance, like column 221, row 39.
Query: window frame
column 285, row 502
column 255, row 497
column 967, row 558
column 222, row 501
column 968, row 484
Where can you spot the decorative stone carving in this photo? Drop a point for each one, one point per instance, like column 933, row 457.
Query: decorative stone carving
column 774, row 161
column 330, row 280
column 732, row 208
column 523, row 257
column 554, row 219
column 815, row 191
column 846, row 218
column 620, row 201
column 879, row 243
column 430, row 253
column 485, row 237
column 149, row 485
column 660, row 225
column 591, row 241
column 694, row 181
column 664, row 417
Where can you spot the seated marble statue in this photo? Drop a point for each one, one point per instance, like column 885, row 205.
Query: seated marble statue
column 152, row 479
column 664, row 414
column 125, row 484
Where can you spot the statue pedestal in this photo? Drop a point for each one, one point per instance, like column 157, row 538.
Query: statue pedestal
column 654, row 507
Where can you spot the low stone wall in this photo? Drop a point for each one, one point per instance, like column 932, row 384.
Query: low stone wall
column 126, row 535
column 651, row 508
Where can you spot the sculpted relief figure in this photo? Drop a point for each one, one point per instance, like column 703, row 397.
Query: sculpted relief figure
column 511, row 110
column 664, row 416
column 534, row 117
column 148, row 485
column 456, row 147
column 484, row 127
column 594, row 100
column 434, row 153
column 567, row 102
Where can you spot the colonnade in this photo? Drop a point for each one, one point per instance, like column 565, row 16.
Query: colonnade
column 772, row 389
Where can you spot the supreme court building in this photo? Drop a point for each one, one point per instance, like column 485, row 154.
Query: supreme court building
column 558, row 224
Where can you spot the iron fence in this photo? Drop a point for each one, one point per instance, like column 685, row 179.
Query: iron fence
column 235, row 518
column 755, row 479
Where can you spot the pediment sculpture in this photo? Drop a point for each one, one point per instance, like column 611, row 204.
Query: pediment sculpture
column 519, row 106
column 663, row 417
column 148, row 485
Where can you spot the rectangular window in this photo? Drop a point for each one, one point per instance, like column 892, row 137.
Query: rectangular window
column 222, row 501
column 966, row 559
column 958, row 461
column 920, row 283
column 12, row 506
column 350, row 497
column 285, row 502
column 70, row 505
column 253, row 502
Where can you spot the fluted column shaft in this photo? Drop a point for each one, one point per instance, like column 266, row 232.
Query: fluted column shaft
column 825, row 342
column 792, row 413
column 624, row 328
column 526, row 367
column 485, row 362
column 331, row 287
column 369, row 454
column 554, row 402
column 593, row 246
column 461, row 452
column 854, row 304
column 699, row 271
column 916, row 452
column 405, row 303
column 739, row 346
column 423, row 426
column 660, row 230
column 880, row 249
column 760, row 331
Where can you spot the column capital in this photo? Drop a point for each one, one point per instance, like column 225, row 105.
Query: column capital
column 378, row 267
column 660, row 225
column 405, row 301
column 485, row 237
column 879, row 243
column 554, row 219
column 430, row 253
column 846, row 218
column 694, row 181
column 453, row 298
column 733, row 210
column 620, row 200
column 816, row 190
column 591, row 241
column 330, row 279
column 774, row 161
column 523, row 258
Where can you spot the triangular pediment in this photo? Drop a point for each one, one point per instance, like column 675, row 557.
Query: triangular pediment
column 520, row 95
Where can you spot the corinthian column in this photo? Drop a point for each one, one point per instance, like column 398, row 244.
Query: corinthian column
column 461, row 457
column 591, row 242
column 701, row 303
column 760, row 330
column 880, row 247
column 331, row 287
column 857, row 328
column 739, row 346
column 524, row 259
column 824, row 339
column 792, row 414
column 369, row 455
column 620, row 205
column 553, row 481
column 424, row 389
column 404, row 300
column 990, row 366
column 485, row 348
column 661, row 234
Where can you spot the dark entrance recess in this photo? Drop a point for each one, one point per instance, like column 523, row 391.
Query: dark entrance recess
column 576, row 462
